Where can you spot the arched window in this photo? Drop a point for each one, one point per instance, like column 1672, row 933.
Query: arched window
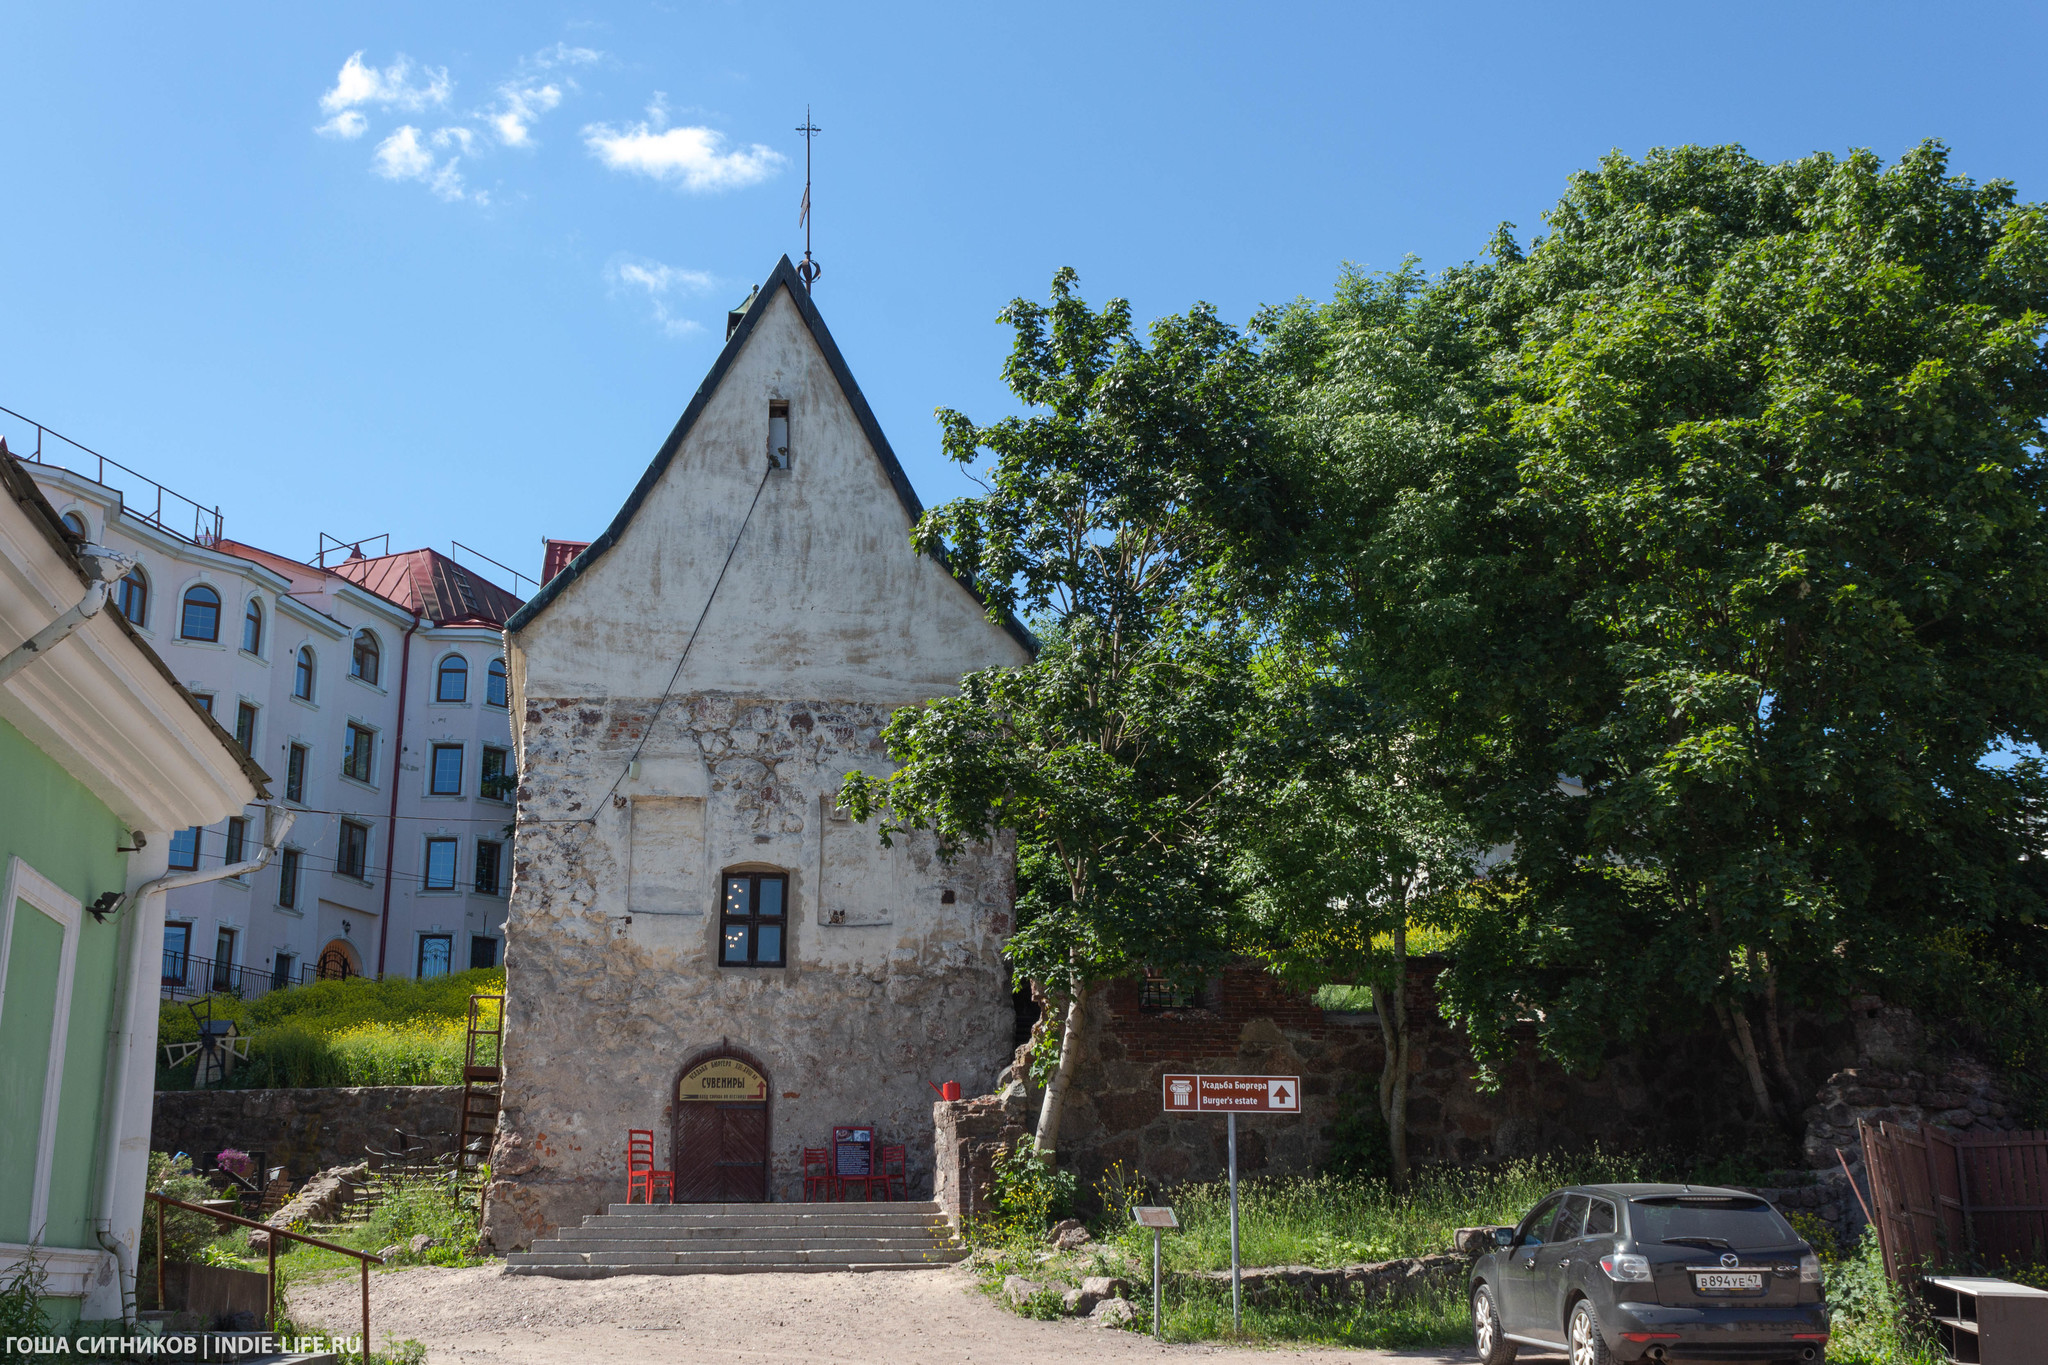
column 302, row 679
column 495, row 692
column 75, row 524
column 131, row 595
column 363, row 659
column 451, row 682
column 201, row 617
column 252, row 627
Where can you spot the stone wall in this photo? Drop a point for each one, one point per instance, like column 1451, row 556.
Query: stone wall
column 894, row 979
column 1673, row 1092
column 303, row 1130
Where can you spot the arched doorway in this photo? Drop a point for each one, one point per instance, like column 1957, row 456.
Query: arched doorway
column 338, row 961
column 719, row 1147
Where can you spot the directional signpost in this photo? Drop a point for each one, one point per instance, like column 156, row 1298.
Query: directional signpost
column 1231, row 1096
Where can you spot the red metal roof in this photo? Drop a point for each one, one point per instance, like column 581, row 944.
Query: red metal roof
column 559, row 553
column 432, row 584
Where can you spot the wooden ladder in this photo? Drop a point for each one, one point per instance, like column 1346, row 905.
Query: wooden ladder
column 483, row 1075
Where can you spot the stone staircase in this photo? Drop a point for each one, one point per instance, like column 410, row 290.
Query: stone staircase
column 728, row 1239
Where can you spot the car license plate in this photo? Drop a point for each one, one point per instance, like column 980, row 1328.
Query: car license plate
column 1728, row 1282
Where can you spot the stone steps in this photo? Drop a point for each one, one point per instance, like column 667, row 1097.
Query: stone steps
column 727, row 1239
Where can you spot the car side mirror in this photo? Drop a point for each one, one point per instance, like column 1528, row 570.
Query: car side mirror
column 1503, row 1238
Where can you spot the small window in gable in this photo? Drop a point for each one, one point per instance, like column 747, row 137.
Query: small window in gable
column 778, row 435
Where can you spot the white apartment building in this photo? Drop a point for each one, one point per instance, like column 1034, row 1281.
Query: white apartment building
column 373, row 692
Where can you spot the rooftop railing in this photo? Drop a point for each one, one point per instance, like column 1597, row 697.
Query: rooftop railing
column 168, row 508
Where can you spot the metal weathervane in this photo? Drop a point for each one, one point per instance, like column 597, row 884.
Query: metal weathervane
column 810, row 269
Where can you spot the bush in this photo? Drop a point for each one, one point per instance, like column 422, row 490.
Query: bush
column 356, row 1032
column 440, row 1207
column 1874, row 1321
column 1030, row 1194
column 185, row 1233
column 21, row 1305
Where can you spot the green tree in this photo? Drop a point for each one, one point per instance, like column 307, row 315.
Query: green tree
column 1344, row 839
column 1705, row 540
column 1137, row 469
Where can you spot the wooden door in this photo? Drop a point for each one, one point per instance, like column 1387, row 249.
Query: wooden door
column 722, row 1155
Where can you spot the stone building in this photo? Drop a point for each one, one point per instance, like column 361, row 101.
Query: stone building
column 687, row 905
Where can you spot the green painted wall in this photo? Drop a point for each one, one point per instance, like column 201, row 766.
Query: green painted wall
column 50, row 821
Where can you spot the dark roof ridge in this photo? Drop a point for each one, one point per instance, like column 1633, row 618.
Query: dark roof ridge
column 785, row 274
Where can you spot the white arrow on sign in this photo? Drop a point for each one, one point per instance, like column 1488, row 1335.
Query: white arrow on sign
column 1280, row 1095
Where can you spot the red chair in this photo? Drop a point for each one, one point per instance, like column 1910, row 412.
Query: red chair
column 890, row 1171
column 640, row 1173
column 819, row 1182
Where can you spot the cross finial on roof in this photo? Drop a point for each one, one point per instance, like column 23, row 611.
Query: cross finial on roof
column 810, row 269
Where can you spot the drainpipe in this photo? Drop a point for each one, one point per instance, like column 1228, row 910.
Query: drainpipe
column 128, row 1014
column 397, row 759
column 106, row 567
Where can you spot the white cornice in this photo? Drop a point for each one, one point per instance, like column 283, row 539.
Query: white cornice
column 99, row 706
column 312, row 616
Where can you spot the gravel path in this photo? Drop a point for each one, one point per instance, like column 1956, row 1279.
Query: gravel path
column 913, row 1317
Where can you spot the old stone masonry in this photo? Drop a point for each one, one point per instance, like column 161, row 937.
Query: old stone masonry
column 701, row 946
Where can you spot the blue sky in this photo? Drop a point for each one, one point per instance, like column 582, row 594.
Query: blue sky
column 225, row 260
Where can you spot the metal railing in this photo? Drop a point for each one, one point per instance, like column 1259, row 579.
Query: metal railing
column 184, row 975
column 364, row 1259
column 206, row 521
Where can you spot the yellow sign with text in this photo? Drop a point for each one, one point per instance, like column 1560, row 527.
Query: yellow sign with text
column 723, row 1078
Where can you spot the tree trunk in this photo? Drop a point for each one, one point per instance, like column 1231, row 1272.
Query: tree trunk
column 1735, row 1027
column 1392, row 1007
column 1774, row 1034
column 1055, row 1102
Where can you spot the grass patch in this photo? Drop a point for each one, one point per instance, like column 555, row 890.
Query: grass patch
column 334, row 1033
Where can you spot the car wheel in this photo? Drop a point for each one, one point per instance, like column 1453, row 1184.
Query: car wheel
column 1494, row 1347
column 1588, row 1347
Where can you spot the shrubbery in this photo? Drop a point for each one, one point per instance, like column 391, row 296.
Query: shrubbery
column 355, row 1032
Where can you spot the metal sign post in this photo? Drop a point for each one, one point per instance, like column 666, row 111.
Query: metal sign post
column 1159, row 1219
column 1231, row 1096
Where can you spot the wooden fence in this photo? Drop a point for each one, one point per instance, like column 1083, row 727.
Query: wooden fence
column 1958, row 1201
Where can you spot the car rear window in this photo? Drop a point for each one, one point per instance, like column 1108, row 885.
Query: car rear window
column 1738, row 1222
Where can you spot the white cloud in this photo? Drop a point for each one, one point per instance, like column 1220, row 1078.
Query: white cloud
column 392, row 88
column 694, row 156
column 519, row 106
column 561, row 54
column 404, row 156
column 662, row 284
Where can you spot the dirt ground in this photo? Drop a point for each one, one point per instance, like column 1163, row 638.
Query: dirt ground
column 914, row 1317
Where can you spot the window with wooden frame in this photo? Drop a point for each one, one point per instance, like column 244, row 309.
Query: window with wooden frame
column 356, row 752
column 445, row 773
column 252, row 627
column 185, row 849
column 205, row 699
column 245, row 727
column 489, row 858
column 302, row 674
column 364, row 657
column 177, row 952
column 451, row 679
column 496, row 692
column 288, row 878
column 295, row 774
column 440, row 865
column 200, row 619
column 238, row 839
column 753, row 923
column 132, row 597
column 436, row 950
column 352, row 855
column 499, row 781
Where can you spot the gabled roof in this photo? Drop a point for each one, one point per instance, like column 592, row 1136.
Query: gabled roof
column 432, row 584
column 785, row 277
